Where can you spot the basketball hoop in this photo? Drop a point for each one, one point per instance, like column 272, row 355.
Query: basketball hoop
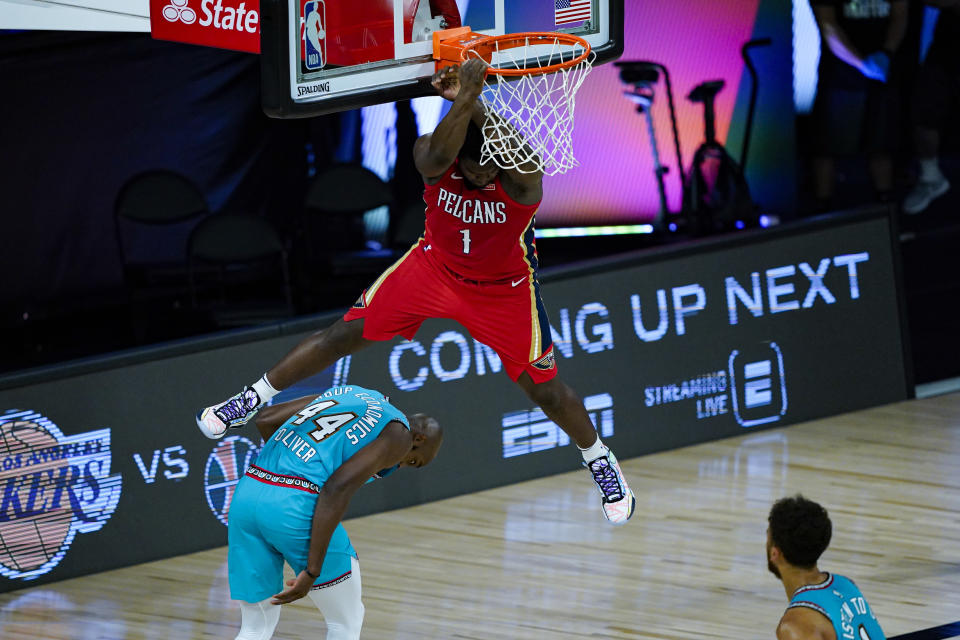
column 530, row 107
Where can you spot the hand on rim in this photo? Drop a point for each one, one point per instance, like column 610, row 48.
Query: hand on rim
column 469, row 77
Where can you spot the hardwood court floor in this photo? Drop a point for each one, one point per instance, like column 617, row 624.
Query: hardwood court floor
column 536, row 560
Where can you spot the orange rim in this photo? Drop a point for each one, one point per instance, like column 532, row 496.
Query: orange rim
column 487, row 46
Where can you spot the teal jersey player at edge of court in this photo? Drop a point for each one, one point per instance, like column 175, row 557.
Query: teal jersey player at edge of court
column 839, row 599
column 288, row 505
column 823, row 606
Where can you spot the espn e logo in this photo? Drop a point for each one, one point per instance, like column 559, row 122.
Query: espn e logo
column 530, row 431
column 757, row 385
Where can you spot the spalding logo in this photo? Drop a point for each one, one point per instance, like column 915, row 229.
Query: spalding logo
column 52, row 487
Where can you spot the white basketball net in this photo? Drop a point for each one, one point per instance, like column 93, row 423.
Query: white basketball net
column 530, row 123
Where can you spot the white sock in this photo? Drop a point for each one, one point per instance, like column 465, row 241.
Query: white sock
column 264, row 389
column 930, row 170
column 593, row 452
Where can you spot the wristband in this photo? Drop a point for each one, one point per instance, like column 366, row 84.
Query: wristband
column 307, row 571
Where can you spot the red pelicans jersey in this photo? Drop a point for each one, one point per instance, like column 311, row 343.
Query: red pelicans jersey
column 479, row 234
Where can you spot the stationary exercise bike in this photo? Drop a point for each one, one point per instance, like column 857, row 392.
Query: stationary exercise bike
column 644, row 76
column 715, row 193
column 716, row 197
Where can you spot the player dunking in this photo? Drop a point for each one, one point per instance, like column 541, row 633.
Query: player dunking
column 476, row 264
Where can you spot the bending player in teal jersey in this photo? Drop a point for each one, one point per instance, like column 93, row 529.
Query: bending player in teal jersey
column 823, row 606
column 317, row 452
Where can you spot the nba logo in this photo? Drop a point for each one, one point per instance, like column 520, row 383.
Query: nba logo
column 757, row 385
column 313, row 37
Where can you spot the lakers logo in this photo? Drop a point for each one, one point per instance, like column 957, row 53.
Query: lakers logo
column 53, row 487
column 546, row 362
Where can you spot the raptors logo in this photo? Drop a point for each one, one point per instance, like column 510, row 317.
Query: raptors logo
column 225, row 466
column 547, row 361
column 52, row 487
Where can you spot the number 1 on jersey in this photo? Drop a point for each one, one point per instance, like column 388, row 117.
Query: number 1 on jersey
column 466, row 240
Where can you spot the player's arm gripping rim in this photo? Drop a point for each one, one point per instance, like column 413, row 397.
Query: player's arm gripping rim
column 387, row 450
column 434, row 153
column 526, row 176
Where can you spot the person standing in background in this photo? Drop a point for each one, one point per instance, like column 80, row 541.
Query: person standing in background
column 935, row 99
column 856, row 110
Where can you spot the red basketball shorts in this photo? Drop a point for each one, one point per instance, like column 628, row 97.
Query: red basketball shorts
column 508, row 316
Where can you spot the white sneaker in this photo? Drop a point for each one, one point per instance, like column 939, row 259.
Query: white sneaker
column 618, row 501
column 235, row 412
column 923, row 194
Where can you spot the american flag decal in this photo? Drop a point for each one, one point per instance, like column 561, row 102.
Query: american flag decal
column 565, row 11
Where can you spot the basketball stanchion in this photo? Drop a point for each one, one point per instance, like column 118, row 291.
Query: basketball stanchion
column 530, row 105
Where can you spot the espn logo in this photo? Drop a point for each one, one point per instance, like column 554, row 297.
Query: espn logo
column 757, row 385
column 530, row 431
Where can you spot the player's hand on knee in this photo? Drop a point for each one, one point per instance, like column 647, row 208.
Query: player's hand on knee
column 298, row 587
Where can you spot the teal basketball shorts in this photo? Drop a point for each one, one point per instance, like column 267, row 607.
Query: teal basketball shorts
column 269, row 524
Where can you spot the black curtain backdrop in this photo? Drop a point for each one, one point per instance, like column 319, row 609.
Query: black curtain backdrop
column 81, row 113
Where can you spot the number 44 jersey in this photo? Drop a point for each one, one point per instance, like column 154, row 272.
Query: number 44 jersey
column 313, row 443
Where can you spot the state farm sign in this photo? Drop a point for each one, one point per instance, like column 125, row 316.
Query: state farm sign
column 226, row 24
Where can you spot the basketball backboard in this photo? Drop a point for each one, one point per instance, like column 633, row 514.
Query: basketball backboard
column 322, row 56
